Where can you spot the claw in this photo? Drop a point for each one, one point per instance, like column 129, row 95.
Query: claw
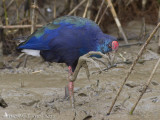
column 87, row 70
column 82, row 62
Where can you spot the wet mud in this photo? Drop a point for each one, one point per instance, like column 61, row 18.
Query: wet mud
column 37, row 91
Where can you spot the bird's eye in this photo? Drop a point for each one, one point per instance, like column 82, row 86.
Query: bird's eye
column 109, row 45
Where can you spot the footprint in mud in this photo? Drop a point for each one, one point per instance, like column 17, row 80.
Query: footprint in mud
column 31, row 103
column 155, row 99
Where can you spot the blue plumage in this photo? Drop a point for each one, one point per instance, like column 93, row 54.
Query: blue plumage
column 67, row 38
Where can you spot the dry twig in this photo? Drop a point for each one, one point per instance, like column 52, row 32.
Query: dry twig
column 99, row 10
column 102, row 15
column 85, row 11
column 117, row 20
column 130, row 44
column 1, row 48
column 146, row 86
column 143, row 28
column 5, row 12
column 158, row 51
column 8, row 6
column 105, row 69
column 132, row 66
column 44, row 18
column 71, row 12
column 54, row 9
column 33, row 17
column 32, row 27
column 18, row 26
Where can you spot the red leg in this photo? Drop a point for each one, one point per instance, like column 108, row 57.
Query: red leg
column 70, row 70
column 67, row 88
column 71, row 87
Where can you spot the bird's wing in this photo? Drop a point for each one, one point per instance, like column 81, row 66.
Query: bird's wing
column 56, row 33
column 41, row 37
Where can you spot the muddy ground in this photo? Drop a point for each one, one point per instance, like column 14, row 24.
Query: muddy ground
column 37, row 92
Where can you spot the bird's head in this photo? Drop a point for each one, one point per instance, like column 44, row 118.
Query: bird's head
column 109, row 44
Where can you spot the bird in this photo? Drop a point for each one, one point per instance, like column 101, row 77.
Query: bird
column 65, row 40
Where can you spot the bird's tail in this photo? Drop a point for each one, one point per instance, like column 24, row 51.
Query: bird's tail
column 19, row 41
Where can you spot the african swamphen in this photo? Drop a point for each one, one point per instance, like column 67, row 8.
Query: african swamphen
column 66, row 39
